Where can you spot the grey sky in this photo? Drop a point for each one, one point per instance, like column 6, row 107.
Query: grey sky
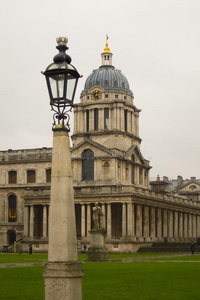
column 156, row 44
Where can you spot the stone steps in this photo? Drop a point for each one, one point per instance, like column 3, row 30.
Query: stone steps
column 168, row 248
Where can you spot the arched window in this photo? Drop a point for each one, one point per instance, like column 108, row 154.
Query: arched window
column 12, row 208
column 87, row 165
column 12, row 177
column 48, row 175
column 132, row 169
column 193, row 187
column 31, row 176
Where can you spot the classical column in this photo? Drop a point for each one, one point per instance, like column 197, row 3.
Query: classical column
column 129, row 219
column 44, row 221
column 194, row 226
column 190, row 226
column 122, row 118
column 115, row 117
column 82, row 220
column 139, row 221
column 88, row 218
column 185, row 220
column 109, row 220
column 180, row 234
column 26, row 220
column 75, row 118
column 170, row 223
column 198, row 226
column 123, row 219
column 31, row 226
column 152, row 222
column 146, row 221
column 101, row 118
column 159, row 223
column 176, row 224
column 165, row 223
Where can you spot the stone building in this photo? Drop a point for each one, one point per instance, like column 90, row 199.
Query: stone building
column 108, row 168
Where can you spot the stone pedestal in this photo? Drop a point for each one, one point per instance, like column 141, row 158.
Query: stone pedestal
column 97, row 249
column 63, row 273
column 63, row 280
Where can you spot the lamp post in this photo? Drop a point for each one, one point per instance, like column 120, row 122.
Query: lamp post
column 63, row 273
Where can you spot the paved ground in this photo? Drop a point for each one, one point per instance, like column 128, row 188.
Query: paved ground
column 124, row 260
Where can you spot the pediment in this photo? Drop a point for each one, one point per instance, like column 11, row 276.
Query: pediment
column 134, row 150
column 190, row 186
column 98, row 149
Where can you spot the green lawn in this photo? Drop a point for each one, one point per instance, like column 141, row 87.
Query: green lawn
column 139, row 280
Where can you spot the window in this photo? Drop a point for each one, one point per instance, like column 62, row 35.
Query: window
column 116, row 96
column 87, row 120
column 132, row 169
column 12, row 177
column 87, row 165
column 88, row 97
column 96, row 118
column 48, row 175
column 125, row 119
column 106, row 95
column 12, row 212
column 106, row 118
column 31, row 176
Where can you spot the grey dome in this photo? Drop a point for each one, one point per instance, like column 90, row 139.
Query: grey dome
column 109, row 78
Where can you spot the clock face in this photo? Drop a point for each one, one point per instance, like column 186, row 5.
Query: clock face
column 96, row 95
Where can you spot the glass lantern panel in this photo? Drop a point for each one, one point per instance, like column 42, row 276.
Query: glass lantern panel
column 71, row 84
column 57, row 86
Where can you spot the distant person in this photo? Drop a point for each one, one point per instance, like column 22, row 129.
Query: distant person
column 192, row 247
column 85, row 248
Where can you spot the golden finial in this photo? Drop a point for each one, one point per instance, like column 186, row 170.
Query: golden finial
column 106, row 49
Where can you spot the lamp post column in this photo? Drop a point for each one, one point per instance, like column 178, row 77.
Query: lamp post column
column 63, row 273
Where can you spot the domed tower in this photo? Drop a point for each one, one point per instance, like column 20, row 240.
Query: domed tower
column 106, row 130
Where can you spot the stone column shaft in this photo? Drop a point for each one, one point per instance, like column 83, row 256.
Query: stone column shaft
column 109, row 220
column 185, row 225
column 130, row 219
column 176, row 224
column 152, row 220
column 26, row 220
column 165, row 223
column 190, row 226
column 82, row 220
column 123, row 219
column 139, row 221
column 88, row 218
column 44, row 221
column 159, row 223
column 180, row 225
column 194, row 226
column 170, row 223
column 31, row 226
column 146, row 221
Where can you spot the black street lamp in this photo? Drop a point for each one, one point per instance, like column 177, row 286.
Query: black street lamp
column 62, row 79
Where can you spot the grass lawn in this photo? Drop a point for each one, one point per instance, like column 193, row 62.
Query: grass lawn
column 139, row 280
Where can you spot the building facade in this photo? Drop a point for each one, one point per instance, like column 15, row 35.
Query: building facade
column 108, row 168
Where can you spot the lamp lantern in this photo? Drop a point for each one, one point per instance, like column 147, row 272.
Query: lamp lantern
column 62, row 79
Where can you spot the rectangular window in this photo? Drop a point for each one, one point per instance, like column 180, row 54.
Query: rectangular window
column 12, row 177
column 116, row 96
column 31, row 176
column 106, row 95
column 106, row 118
column 48, row 175
column 87, row 120
column 96, row 118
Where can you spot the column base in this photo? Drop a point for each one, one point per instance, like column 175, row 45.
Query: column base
column 63, row 280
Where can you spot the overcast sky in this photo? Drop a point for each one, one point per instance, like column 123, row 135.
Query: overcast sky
column 156, row 44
